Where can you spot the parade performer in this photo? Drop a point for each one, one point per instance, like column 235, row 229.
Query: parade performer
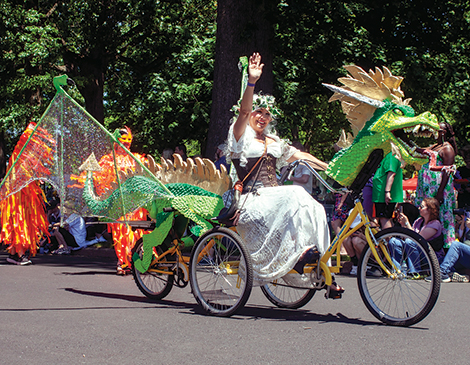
column 124, row 237
column 283, row 226
column 23, row 215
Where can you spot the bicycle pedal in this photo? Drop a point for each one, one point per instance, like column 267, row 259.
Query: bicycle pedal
column 333, row 294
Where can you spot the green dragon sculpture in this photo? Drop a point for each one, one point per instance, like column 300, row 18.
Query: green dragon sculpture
column 379, row 119
column 195, row 203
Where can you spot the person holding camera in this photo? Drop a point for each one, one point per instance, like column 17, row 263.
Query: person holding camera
column 428, row 226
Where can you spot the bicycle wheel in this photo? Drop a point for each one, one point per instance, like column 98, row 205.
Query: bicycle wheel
column 284, row 296
column 153, row 285
column 221, row 273
column 402, row 298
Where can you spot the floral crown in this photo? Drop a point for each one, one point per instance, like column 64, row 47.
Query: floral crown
column 261, row 101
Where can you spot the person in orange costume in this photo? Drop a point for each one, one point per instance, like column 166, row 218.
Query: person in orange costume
column 22, row 215
column 123, row 236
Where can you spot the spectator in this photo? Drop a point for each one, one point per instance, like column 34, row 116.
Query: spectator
column 456, row 264
column 462, row 219
column 72, row 236
column 387, row 189
column 220, row 158
column 429, row 227
column 167, row 154
column 354, row 245
column 53, row 217
column 343, row 204
column 367, row 193
column 53, row 213
column 181, row 150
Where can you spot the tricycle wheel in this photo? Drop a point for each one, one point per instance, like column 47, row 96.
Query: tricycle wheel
column 153, row 285
column 284, row 296
column 221, row 272
column 404, row 297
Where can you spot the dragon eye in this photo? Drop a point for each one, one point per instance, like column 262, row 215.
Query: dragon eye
column 398, row 111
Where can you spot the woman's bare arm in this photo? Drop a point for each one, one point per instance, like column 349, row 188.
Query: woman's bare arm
column 313, row 161
column 255, row 69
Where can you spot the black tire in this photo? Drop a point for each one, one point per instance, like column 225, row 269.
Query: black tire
column 214, row 254
column 153, row 285
column 284, row 296
column 401, row 299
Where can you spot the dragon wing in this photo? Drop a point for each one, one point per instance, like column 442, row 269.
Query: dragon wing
column 55, row 148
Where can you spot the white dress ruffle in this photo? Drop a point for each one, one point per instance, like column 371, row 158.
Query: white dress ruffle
column 277, row 224
column 247, row 147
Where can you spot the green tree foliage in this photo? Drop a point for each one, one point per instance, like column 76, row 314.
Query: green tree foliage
column 314, row 40
column 28, row 51
column 155, row 66
column 145, row 63
column 425, row 42
column 428, row 44
column 166, row 97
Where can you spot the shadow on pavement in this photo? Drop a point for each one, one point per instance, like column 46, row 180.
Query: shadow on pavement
column 133, row 298
column 248, row 312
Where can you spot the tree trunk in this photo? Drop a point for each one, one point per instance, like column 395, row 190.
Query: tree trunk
column 243, row 27
column 93, row 94
column 92, row 69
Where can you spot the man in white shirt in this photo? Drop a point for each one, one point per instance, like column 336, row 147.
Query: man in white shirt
column 72, row 236
column 302, row 175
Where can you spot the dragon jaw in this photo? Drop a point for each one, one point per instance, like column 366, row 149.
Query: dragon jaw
column 396, row 123
column 388, row 127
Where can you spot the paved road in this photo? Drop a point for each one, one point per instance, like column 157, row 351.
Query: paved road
column 75, row 310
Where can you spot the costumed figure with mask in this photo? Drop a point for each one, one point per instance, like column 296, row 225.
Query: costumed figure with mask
column 124, row 237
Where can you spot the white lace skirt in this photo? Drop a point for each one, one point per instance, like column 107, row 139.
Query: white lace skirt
column 277, row 225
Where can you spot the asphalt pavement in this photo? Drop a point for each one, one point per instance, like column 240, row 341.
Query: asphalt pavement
column 76, row 310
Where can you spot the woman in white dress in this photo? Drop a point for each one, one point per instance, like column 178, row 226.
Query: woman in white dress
column 282, row 226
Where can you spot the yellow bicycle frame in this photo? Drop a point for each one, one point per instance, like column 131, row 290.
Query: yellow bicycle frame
column 345, row 232
column 181, row 260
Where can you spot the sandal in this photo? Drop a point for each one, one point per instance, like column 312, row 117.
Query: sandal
column 308, row 257
column 122, row 270
column 334, row 293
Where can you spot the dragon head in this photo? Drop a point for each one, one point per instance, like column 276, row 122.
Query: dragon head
column 379, row 119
